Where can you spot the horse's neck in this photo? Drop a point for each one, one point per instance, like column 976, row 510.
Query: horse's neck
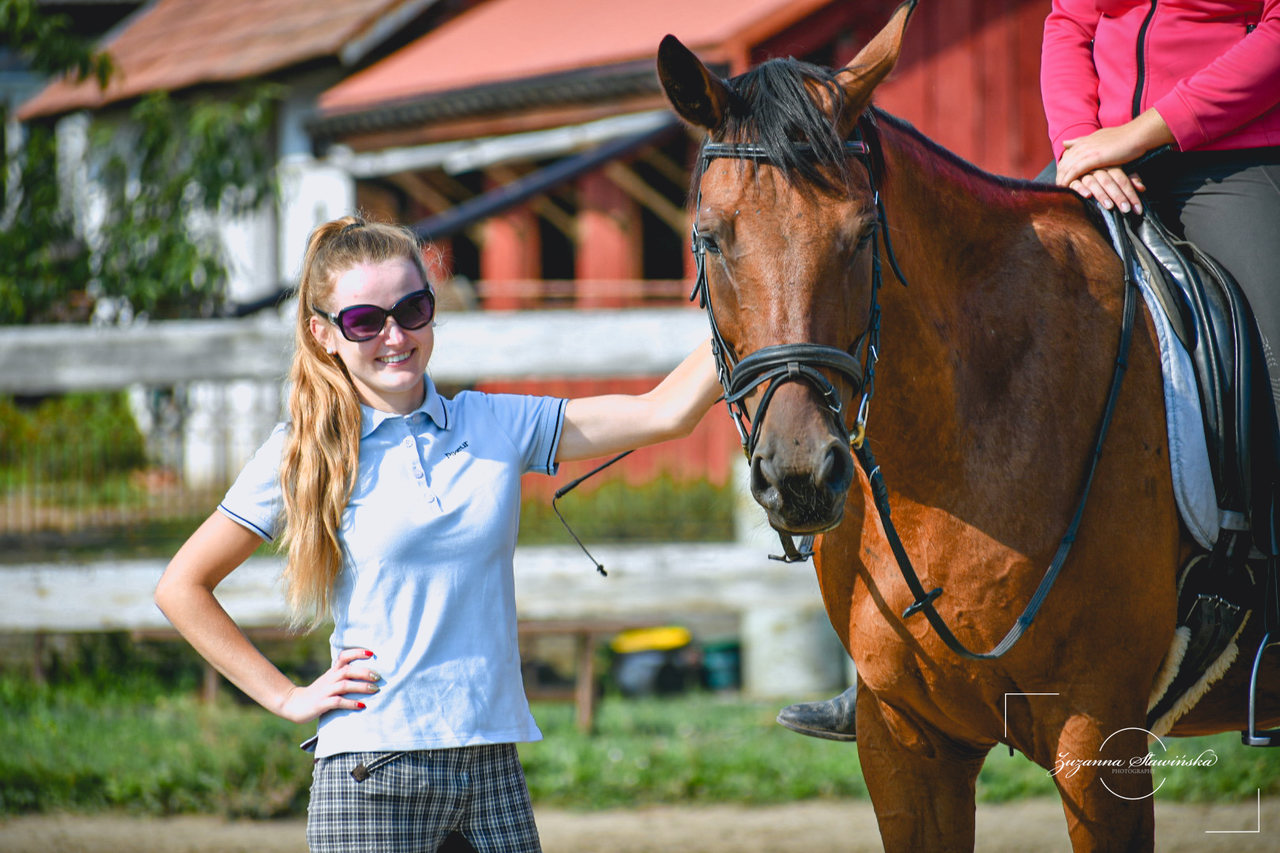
column 993, row 325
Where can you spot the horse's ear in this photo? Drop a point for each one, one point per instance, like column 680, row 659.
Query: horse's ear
column 698, row 96
column 872, row 64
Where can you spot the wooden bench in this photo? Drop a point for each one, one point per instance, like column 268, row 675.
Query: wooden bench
column 585, row 633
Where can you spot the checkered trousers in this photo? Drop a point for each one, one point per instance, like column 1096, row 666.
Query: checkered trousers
column 409, row 802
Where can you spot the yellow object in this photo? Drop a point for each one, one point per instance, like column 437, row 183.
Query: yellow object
column 651, row 639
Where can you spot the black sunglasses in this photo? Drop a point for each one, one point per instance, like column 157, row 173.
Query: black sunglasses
column 365, row 322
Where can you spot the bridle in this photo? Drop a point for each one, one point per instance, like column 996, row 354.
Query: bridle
column 773, row 366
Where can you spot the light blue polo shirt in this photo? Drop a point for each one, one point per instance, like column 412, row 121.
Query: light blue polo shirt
column 427, row 581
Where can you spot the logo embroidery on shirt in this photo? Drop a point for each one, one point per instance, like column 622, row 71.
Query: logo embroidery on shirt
column 458, row 449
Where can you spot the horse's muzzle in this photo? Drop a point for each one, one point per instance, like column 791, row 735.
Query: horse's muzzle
column 801, row 488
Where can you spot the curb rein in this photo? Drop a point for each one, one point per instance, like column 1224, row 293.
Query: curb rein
column 800, row 362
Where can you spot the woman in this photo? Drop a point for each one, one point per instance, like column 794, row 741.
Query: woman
column 399, row 509
column 1121, row 78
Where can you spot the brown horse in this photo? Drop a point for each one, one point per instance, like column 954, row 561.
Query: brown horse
column 994, row 370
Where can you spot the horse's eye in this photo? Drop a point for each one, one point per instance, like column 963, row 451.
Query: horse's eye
column 709, row 244
column 867, row 236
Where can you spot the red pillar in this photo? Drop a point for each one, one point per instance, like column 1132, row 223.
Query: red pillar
column 609, row 259
column 510, row 259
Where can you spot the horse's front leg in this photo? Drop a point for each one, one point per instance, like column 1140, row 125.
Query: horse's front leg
column 1105, row 793
column 922, row 789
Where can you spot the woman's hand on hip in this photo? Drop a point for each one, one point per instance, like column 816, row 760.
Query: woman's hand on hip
column 343, row 686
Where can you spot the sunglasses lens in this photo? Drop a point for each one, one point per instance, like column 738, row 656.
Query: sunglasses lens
column 415, row 310
column 361, row 322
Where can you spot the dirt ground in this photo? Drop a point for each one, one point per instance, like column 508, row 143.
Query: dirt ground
column 811, row 827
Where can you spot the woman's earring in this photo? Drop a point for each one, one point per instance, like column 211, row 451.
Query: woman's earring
column 331, row 351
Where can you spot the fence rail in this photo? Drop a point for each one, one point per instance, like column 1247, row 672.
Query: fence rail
column 470, row 347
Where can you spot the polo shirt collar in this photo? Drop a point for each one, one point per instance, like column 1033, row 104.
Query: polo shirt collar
column 432, row 406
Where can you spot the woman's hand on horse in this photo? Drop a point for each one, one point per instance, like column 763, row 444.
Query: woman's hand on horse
column 343, row 686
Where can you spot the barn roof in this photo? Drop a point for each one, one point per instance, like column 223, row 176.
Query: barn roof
column 547, row 49
column 175, row 44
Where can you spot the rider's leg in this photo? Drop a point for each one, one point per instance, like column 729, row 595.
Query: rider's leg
column 1228, row 204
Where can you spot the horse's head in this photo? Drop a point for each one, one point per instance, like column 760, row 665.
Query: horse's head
column 785, row 231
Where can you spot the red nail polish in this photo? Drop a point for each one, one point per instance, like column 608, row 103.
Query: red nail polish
column 368, row 653
column 360, row 705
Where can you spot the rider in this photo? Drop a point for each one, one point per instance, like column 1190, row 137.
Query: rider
column 1121, row 78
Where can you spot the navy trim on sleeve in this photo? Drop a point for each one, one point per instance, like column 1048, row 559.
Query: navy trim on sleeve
column 247, row 523
column 555, row 444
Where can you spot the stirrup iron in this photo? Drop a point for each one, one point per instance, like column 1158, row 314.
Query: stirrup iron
column 1252, row 736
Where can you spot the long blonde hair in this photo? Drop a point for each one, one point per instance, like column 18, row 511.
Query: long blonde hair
column 322, row 451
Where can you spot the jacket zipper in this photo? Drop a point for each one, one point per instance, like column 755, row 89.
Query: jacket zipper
column 1141, row 82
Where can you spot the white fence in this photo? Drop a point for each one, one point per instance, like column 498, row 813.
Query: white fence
column 660, row 582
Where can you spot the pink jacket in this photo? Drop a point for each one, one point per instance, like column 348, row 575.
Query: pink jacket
column 1211, row 68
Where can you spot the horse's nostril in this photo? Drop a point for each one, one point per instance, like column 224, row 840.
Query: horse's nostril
column 836, row 470
column 764, row 482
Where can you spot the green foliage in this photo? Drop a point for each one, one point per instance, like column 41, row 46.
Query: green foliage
column 43, row 266
column 47, row 44
column 174, row 169
column 170, row 172
column 69, row 435
column 696, row 748
column 664, row 510
column 121, row 728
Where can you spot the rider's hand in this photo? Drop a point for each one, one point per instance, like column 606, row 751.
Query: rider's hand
column 344, row 685
column 1112, row 188
column 1090, row 164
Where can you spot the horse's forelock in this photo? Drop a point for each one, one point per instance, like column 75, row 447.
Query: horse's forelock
column 783, row 104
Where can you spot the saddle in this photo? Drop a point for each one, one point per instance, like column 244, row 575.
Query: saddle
column 1211, row 319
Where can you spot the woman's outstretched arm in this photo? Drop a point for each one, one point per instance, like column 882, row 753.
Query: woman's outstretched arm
column 612, row 423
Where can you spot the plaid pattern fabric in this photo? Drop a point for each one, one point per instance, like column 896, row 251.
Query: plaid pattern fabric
column 409, row 802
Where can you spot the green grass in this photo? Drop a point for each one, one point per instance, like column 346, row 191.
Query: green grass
column 146, row 745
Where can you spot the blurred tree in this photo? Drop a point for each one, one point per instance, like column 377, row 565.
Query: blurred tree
column 42, row 264
column 169, row 173
column 47, row 43
column 176, row 169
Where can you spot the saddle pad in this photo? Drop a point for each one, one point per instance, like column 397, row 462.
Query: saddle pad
column 1188, row 450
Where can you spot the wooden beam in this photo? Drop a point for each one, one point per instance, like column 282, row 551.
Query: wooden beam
column 420, row 191
column 541, row 205
column 497, row 125
column 633, row 185
column 554, row 582
column 665, row 166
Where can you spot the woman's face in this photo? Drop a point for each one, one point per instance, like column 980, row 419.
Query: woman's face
column 387, row 369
